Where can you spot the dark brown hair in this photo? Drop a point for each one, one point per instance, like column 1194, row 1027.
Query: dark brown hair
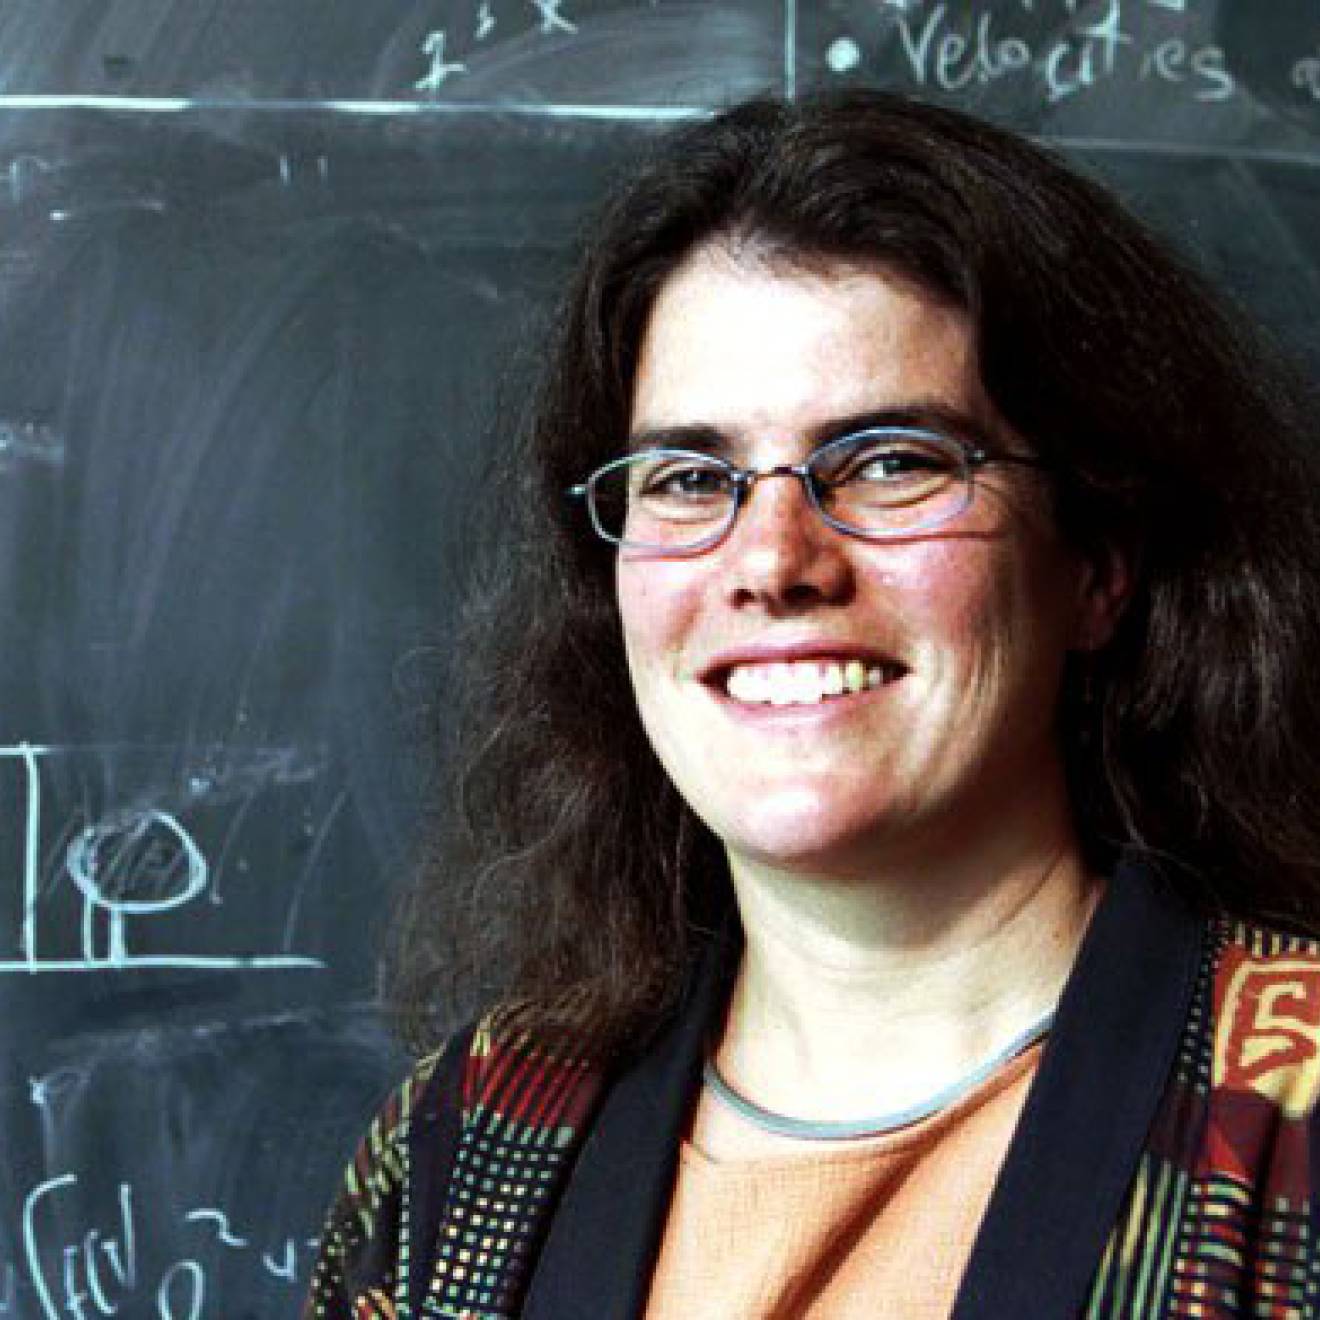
column 563, row 868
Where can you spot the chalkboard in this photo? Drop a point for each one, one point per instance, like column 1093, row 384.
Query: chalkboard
column 266, row 267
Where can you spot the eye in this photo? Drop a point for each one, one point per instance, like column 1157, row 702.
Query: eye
column 681, row 479
column 890, row 459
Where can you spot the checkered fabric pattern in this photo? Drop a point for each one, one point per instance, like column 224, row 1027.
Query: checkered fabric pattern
column 367, row 1237
column 523, row 1111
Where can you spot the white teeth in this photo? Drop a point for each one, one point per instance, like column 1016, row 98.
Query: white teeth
column 803, row 683
column 745, row 685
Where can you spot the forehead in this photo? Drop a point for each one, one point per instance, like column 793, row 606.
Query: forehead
column 742, row 344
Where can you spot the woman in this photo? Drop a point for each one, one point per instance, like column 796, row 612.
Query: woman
column 894, row 800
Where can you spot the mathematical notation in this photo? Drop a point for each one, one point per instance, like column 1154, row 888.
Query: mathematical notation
column 488, row 20
column 97, row 1270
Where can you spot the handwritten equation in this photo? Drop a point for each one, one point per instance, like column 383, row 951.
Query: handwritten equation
column 552, row 15
column 126, row 869
column 97, row 1270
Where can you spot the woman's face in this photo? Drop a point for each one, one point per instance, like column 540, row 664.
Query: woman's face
column 965, row 627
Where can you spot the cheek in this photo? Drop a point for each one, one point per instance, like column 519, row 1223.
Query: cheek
column 947, row 594
column 635, row 618
column 979, row 615
column 654, row 622
column 651, row 614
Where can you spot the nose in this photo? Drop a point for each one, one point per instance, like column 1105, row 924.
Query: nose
column 780, row 554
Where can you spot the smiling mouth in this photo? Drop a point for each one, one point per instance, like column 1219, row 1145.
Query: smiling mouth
column 805, row 682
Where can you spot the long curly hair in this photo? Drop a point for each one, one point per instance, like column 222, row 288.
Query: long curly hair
column 562, row 868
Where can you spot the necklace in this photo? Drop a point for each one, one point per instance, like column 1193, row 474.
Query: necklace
column 849, row 1129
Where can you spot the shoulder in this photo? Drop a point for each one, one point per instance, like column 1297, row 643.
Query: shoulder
column 498, row 1064
column 371, row 1224
column 366, row 1230
column 517, row 1067
column 1265, row 1009
column 1227, row 1185
column 394, row 1119
column 377, row 1169
column 512, row 1091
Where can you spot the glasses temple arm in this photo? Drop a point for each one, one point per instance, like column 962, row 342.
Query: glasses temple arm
column 980, row 458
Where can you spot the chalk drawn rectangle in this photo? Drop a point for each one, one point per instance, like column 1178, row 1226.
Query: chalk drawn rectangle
column 127, row 857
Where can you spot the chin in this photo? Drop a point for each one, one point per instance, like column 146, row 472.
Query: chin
column 800, row 831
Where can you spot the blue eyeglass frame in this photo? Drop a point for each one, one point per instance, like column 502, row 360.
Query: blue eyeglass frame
column 744, row 478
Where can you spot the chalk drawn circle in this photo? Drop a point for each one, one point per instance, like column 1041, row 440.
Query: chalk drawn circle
column 844, row 55
column 85, row 861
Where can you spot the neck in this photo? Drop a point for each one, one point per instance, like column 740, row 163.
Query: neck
column 863, row 994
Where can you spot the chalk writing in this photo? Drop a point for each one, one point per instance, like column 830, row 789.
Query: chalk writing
column 1174, row 61
column 843, row 55
column 292, row 167
column 8, row 1289
column 592, row 111
column 132, row 864
column 950, row 60
column 193, row 1295
column 443, row 66
column 82, row 1271
column 1056, row 50
column 34, row 442
column 221, row 1222
column 25, row 172
column 944, row 46
column 445, row 49
column 1306, row 75
column 1040, row 6
column 551, row 19
column 441, row 69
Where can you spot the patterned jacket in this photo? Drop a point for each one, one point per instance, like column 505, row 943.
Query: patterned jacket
column 1166, row 1164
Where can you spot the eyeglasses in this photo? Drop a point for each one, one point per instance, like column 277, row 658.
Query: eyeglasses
column 878, row 484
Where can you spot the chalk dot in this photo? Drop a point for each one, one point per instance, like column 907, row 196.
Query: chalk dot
column 843, row 55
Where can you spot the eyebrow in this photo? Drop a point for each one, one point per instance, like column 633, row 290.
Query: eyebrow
column 920, row 414
column 701, row 436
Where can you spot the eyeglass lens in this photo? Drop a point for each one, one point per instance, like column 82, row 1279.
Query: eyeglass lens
column 876, row 483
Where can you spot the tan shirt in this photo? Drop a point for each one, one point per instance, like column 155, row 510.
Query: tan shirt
column 881, row 1227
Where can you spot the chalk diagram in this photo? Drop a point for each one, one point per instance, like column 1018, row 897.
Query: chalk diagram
column 108, row 901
